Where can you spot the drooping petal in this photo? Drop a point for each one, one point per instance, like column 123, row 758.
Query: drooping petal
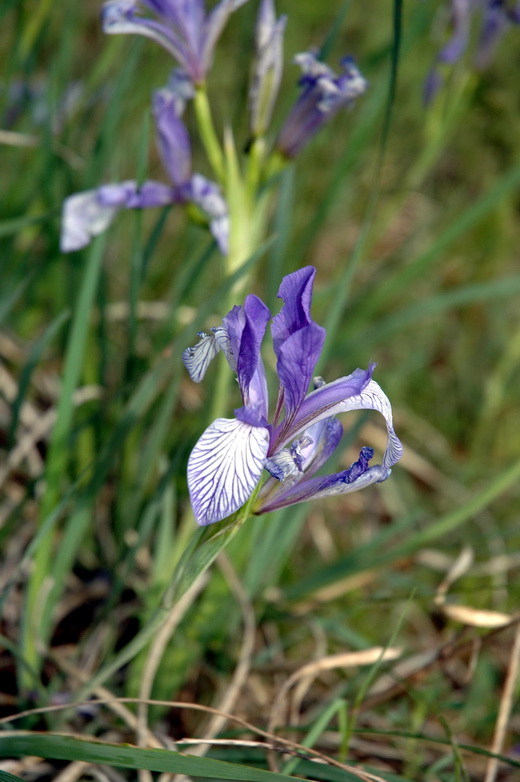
column 358, row 476
column 88, row 214
column 83, row 217
column 296, row 292
column 225, row 467
column 172, row 137
column 297, row 358
column 372, row 397
column 129, row 195
column 119, row 16
column 328, row 400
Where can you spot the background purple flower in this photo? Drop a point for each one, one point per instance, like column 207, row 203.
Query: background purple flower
column 184, row 29
column 88, row 214
column 323, row 93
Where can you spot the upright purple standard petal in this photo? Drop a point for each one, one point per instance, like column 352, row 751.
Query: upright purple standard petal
column 296, row 292
column 297, row 358
column 225, row 467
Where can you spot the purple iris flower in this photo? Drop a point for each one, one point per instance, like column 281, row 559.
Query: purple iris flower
column 495, row 17
column 323, row 93
column 88, row 214
column 227, row 462
column 184, row 29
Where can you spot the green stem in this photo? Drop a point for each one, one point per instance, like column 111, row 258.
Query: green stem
column 207, row 132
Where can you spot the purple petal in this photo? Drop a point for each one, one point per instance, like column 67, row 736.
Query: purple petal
column 372, row 397
column 358, row 476
column 494, row 25
column 461, row 17
column 297, row 358
column 225, row 467
column 296, row 292
column 246, row 328
column 172, row 137
column 329, row 400
column 118, row 16
column 88, row 214
column 323, row 94
column 318, row 443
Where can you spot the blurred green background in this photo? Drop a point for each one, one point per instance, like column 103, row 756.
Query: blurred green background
column 410, row 214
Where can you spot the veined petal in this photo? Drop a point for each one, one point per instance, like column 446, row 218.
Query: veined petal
column 326, row 401
column 225, row 467
column 198, row 358
column 358, row 476
column 296, row 292
column 372, row 397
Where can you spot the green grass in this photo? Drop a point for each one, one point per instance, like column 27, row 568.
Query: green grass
column 410, row 216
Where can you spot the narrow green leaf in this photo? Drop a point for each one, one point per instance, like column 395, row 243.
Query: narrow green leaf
column 54, row 747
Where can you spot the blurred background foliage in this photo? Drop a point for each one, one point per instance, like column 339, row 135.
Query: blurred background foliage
column 415, row 236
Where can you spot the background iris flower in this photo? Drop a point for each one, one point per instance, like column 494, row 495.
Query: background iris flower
column 184, row 29
column 88, row 214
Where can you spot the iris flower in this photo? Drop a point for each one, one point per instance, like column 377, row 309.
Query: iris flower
column 184, row 29
column 227, row 463
column 322, row 94
column 495, row 17
column 88, row 214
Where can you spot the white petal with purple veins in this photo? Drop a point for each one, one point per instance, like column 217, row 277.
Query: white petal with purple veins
column 198, row 358
column 225, row 467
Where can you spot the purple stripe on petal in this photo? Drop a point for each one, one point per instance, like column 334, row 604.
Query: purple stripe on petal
column 329, row 400
column 249, row 364
column 225, row 467
column 329, row 486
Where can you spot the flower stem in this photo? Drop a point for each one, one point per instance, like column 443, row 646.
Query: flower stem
column 207, row 132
